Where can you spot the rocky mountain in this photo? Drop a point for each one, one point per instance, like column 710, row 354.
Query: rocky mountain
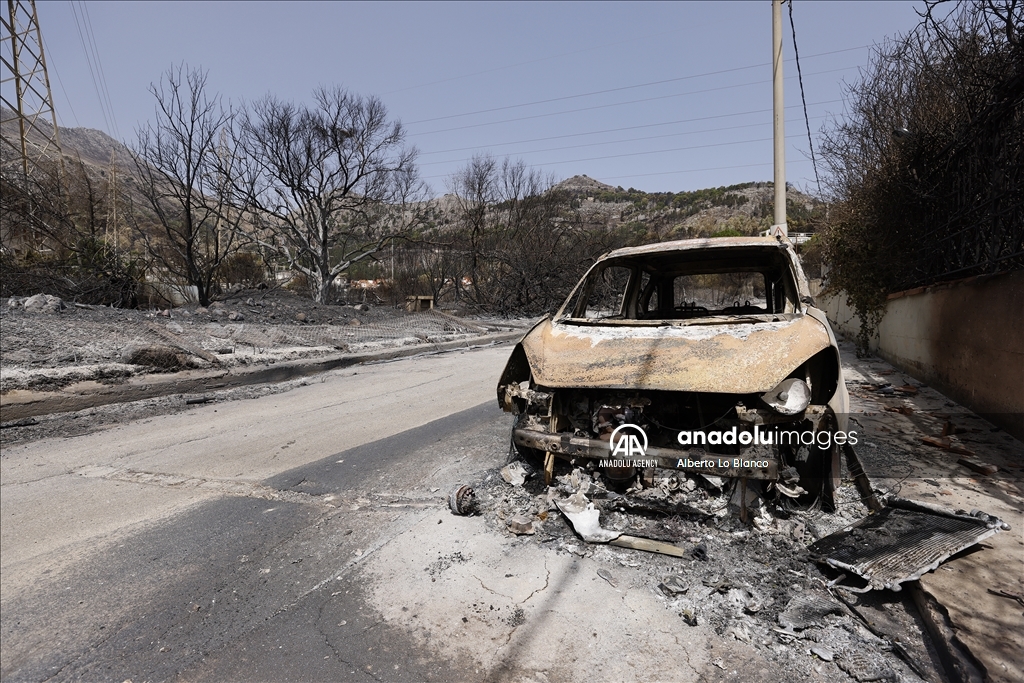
column 96, row 149
column 744, row 209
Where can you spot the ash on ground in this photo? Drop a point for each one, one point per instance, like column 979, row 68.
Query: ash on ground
column 48, row 344
column 750, row 582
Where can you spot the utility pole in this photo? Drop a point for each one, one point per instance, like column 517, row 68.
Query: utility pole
column 23, row 71
column 780, row 123
column 112, row 216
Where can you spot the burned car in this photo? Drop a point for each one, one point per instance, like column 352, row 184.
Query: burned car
column 705, row 356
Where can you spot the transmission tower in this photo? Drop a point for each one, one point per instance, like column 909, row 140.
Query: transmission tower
column 28, row 124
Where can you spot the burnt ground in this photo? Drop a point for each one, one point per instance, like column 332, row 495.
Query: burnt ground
column 78, row 349
column 753, row 585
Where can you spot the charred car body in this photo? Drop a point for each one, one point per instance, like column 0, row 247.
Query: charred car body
column 711, row 350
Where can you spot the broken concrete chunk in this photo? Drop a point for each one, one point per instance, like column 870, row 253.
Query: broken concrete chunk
column 43, row 303
column 521, row 525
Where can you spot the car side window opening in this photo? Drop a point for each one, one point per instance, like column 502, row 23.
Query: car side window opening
column 606, row 293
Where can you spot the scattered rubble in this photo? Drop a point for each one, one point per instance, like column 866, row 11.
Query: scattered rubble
column 767, row 582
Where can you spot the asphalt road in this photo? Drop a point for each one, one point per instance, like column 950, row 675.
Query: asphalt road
column 227, row 543
column 305, row 536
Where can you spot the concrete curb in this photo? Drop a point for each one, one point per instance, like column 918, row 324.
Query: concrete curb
column 18, row 405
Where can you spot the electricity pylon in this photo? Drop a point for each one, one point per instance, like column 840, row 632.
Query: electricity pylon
column 26, row 137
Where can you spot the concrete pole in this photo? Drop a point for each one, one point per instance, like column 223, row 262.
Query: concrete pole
column 780, row 123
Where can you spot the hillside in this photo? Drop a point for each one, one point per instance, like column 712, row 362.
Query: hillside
column 95, row 148
column 746, row 208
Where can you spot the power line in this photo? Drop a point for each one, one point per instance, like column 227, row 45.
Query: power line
column 88, row 61
column 700, row 118
column 636, row 154
column 632, row 87
column 533, row 61
column 57, row 74
column 92, row 59
column 582, row 109
column 658, row 151
column 595, row 144
column 606, row 130
column 687, row 170
column 99, row 66
column 629, row 154
column 803, row 98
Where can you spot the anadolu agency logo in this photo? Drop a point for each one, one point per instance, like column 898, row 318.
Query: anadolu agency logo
column 628, row 444
column 626, row 441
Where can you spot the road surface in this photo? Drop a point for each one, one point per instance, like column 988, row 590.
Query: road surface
column 304, row 536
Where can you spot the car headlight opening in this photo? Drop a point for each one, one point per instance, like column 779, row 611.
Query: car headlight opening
column 790, row 397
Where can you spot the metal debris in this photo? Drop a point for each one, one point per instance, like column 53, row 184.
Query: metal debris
column 514, row 473
column 673, row 585
column 904, row 541
column 806, row 610
column 462, row 500
column 585, row 520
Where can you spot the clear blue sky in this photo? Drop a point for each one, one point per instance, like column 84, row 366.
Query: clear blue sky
column 669, row 123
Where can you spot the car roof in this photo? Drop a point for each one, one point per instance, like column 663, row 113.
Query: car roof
column 706, row 243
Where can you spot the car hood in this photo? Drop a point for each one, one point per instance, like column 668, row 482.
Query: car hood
column 731, row 357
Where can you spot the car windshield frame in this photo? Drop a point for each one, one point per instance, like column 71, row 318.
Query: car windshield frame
column 781, row 296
